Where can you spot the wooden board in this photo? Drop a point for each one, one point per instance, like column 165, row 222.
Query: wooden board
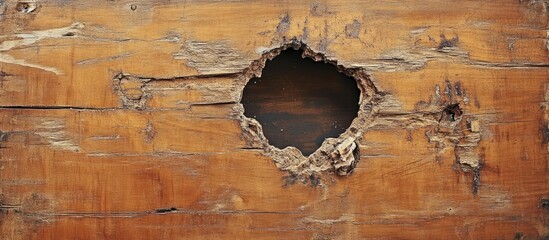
column 122, row 120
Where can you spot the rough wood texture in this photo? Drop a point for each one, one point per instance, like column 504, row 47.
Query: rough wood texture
column 122, row 120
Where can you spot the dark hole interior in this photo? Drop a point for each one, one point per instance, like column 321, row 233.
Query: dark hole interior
column 300, row 102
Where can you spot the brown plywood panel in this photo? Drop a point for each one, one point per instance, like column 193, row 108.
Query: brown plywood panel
column 123, row 120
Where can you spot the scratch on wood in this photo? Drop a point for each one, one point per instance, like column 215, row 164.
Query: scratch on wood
column 344, row 218
column 211, row 57
column 104, row 59
column 14, row 41
column 106, row 138
column 53, row 130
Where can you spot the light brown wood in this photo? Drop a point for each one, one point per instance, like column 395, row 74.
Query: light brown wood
column 122, row 120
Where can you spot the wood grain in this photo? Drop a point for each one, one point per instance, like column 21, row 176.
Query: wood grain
column 122, row 120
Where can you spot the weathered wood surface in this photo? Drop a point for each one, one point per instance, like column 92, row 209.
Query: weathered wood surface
column 120, row 120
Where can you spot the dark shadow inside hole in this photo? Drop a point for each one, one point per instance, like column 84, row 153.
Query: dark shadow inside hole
column 300, row 102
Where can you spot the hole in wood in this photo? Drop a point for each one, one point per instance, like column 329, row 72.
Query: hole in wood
column 300, row 102
column 452, row 112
